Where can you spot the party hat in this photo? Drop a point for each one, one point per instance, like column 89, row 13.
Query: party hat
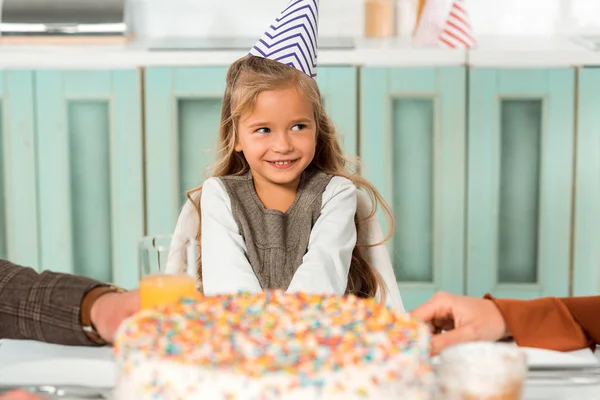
column 292, row 38
column 458, row 32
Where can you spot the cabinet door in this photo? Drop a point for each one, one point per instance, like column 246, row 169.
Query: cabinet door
column 412, row 143
column 338, row 86
column 3, row 159
column 586, row 254
column 520, row 171
column 18, row 174
column 183, row 111
column 90, row 177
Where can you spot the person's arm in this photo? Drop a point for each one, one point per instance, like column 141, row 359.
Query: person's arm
column 561, row 324
column 326, row 264
column 378, row 256
column 225, row 266
column 46, row 306
column 550, row 323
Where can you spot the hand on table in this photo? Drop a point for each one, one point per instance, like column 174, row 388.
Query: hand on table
column 109, row 310
column 463, row 318
column 20, row 395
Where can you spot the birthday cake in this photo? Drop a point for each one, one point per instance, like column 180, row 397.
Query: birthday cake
column 273, row 346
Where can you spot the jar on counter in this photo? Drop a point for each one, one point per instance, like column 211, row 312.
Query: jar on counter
column 380, row 18
column 481, row 371
column 406, row 17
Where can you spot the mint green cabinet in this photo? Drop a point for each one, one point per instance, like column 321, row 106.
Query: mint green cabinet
column 412, row 143
column 2, row 158
column 491, row 189
column 338, row 86
column 19, row 222
column 183, row 110
column 72, row 172
column 90, row 176
column 520, row 170
column 586, row 226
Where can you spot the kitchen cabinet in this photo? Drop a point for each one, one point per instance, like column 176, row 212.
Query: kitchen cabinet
column 18, row 189
column 413, row 143
column 71, row 175
column 520, row 180
column 586, row 221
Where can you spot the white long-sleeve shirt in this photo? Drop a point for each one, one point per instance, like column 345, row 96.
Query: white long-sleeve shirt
column 325, row 266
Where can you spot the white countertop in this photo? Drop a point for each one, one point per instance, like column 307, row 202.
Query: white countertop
column 501, row 52
column 382, row 53
column 521, row 52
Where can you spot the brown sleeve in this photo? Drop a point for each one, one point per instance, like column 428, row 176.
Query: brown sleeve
column 44, row 307
column 563, row 324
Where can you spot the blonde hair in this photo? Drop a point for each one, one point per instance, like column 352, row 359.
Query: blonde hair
column 246, row 79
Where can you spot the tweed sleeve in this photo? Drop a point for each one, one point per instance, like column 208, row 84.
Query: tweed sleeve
column 44, row 307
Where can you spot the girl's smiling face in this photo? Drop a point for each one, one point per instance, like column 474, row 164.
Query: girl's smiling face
column 278, row 136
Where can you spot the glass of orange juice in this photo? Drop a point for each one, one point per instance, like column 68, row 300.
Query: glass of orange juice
column 167, row 265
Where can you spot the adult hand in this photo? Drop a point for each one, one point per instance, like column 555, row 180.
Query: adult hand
column 20, row 395
column 463, row 318
column 109, row 310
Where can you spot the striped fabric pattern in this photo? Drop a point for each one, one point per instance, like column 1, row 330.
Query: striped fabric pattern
column 458, row 32
column 292, row 39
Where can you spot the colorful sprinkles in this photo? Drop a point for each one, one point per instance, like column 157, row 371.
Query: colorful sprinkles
column 257, row 334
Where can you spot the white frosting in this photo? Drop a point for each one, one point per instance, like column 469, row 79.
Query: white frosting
column 178, row 353
column 179, row 381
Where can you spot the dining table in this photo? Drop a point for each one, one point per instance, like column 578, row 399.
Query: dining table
column 79, row 373
column 563, row 384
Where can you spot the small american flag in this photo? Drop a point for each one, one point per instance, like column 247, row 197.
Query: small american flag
column 457, row 32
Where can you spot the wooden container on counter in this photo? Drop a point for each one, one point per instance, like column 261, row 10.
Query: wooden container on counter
column 380, row 18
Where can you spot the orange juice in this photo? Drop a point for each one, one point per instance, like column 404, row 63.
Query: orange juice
column 164, row 289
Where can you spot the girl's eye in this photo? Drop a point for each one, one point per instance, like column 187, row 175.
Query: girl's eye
column 298, row 127
column 263, row 130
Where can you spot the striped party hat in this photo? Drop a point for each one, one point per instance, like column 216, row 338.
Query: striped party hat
column 458, row 32
column 292, row 39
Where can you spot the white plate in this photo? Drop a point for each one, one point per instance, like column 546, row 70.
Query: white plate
column 24, row 362
column 540, row 358
column 95, row 373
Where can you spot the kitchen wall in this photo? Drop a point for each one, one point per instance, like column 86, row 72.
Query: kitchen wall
column 159, row 18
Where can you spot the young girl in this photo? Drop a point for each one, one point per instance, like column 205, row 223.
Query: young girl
column 281, row 208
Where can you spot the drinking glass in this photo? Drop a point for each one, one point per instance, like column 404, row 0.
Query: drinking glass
column 156, row 253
